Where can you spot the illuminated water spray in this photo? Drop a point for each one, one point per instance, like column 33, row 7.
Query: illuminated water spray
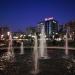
column 35, row 56
column 22, row 49
column 10, row 53
column 42, row 46
column 66, row 45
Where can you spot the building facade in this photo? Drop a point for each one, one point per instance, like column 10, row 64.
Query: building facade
column 50, row 25
column 70, row 27
column 3, row 31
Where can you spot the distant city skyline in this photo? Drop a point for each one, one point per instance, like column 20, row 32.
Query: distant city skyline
column 20, row 14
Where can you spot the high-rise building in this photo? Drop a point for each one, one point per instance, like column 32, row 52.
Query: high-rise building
column 51, row 26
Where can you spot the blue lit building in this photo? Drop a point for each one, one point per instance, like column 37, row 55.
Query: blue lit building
column 51, row 26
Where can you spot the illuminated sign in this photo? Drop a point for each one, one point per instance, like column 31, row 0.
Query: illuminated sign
column 50, row 18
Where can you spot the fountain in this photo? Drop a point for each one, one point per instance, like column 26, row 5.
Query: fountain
column 42, row 46
column 9, row 55
column 22, row 49
column 35, row 57
column 66, row 47
column 42, row 52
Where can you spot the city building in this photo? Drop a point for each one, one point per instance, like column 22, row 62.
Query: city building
column 3, row 31
column 50, row 25
column 70, row 27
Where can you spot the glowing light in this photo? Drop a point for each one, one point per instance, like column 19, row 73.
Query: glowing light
column 33, row 36
column 21, row 35
column 2, row 36
column 24, row 35
column 53, row 36
column 56, row 33
column 26, row 39
column 45, row 36
column 54, row 22
column 40, row 34
column 29, row 35
column 58, row 39
column 64, row 36
column 41, row 23
column 73, row 32
column 8, row 33
column 15, row 37
column 50, row 18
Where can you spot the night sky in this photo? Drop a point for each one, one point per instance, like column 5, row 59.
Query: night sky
column 19, row 14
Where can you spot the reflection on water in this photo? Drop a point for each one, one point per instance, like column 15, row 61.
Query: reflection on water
column 24, row 64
